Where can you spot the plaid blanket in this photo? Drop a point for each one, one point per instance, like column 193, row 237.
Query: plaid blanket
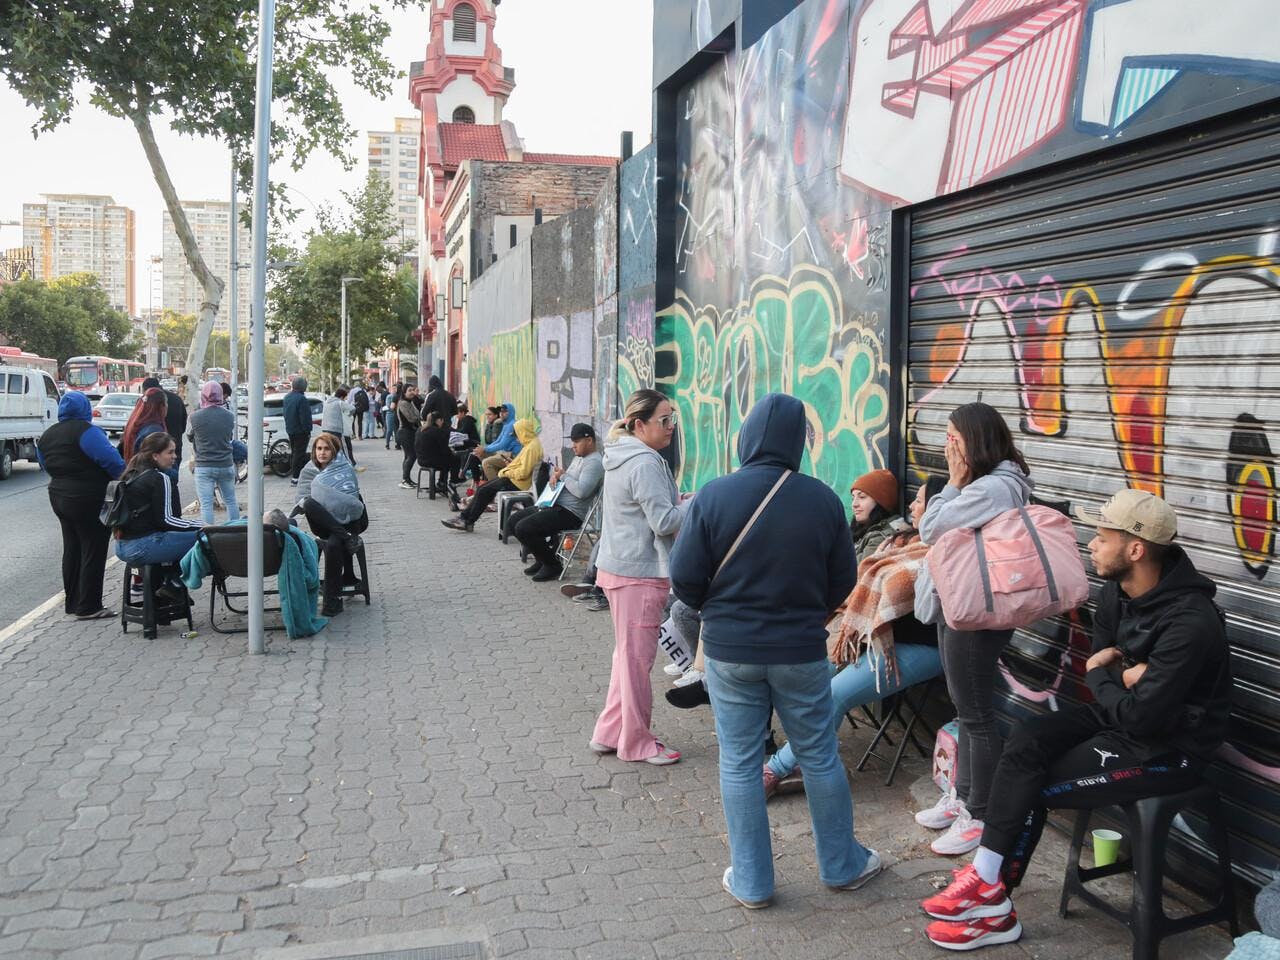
column 885, row 592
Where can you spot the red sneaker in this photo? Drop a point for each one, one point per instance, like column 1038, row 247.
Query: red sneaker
column 968, row 898
column 972, row 934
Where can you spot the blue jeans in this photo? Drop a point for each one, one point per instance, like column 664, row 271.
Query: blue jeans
column 224, row 478
column 855, row 686
column 165, row 546
column 389, row 425
column 743, row 695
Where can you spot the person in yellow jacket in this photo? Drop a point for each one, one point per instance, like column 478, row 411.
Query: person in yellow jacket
column 517, row 475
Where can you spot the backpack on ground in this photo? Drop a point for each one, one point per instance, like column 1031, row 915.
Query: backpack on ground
column 1020, row 567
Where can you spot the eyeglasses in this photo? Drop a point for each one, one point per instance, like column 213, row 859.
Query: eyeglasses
column 670, row 420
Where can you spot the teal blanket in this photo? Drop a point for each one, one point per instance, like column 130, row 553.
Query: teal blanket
column 299, row 580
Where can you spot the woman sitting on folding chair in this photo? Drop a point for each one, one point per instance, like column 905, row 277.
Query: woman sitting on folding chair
column 329, row 497
column 869, row 666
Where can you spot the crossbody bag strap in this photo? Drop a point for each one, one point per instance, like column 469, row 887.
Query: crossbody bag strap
column 751, row 523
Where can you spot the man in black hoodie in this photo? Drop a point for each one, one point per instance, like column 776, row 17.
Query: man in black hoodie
column 1160, row 676
column 764, row 630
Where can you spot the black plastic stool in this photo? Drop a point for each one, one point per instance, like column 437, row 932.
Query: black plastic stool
column 361, row 587
column 153, row 612
column 431, row 483
column 1149, row 821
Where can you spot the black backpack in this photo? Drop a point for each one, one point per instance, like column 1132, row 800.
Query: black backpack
column 115, row 513
column 361, row 402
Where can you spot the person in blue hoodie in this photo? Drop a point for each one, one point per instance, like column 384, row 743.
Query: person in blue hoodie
column 765, row 637
column 507, row 447
column 80, row 461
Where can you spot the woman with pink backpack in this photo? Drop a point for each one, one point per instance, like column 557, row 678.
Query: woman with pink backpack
column 987, row 476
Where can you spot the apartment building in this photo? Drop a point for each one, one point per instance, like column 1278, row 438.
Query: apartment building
column 393, row 157
column 83, row 233
column 180, row 290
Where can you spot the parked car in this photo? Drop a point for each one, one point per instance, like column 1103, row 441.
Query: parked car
column 275, row 441
column 112, row 412
column 28, row 406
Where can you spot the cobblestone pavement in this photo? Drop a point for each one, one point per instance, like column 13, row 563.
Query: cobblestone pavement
column 421, row 764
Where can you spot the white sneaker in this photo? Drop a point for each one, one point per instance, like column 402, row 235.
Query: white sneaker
column 690, row 676
column 964, row 834
column 942, row 814
column 407, row 485
column 873, row 867
column 671, row 670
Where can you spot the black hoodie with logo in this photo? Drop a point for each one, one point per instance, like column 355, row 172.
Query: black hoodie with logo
column 1183, row 700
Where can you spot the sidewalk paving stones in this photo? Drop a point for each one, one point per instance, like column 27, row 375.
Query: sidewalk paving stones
column 420, row 765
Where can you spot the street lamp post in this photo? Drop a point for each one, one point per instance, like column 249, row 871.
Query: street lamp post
column 233, row 284
column 346, row 369
column 257, row 319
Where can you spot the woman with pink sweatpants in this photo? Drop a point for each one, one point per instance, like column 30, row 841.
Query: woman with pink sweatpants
column 642, row 514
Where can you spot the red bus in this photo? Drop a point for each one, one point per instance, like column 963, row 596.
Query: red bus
column 20, row 358
column 102, row 375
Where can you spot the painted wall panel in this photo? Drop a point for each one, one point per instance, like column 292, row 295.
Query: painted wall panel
column 500, row 335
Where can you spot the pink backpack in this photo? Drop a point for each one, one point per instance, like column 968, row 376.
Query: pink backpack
column 1020, row 567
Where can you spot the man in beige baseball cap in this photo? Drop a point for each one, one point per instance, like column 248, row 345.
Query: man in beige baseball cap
column 1160, row 675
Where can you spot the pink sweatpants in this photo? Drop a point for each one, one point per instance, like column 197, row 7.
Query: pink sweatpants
column 636, row 606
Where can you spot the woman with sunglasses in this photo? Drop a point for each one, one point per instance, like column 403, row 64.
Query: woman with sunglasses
column 642, row 514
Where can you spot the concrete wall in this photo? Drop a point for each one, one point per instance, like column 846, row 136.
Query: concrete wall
column 500, row 334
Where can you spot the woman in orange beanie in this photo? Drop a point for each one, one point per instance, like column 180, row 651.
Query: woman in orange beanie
column 875, row 511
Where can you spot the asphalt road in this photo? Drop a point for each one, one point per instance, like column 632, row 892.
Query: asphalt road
column 30, row 543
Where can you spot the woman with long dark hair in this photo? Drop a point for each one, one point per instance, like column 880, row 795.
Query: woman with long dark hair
column 155, row 531
column 642, row 515
column 986, row 475
column 148, row 417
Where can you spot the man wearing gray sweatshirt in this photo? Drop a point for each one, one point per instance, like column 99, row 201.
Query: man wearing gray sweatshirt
column 580, row 485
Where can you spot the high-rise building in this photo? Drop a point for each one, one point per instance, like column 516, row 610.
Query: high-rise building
column 180, row 290
column 83, row 233
column 393, row 157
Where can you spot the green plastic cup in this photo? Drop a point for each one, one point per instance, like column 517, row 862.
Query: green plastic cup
column 1106, row 847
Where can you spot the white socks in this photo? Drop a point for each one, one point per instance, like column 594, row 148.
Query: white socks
column 988, row 864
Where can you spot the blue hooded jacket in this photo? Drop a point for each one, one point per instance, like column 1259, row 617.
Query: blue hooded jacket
column 507, row 439
column 771, row 602
column 72, row 447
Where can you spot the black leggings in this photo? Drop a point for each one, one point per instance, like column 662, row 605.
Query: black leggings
column 338, row 560
column 485, row 496
column 1070, row 760
column 84, row 551
column 405, row 439
column 971, row 663
column 298, row 452
column 538, row 525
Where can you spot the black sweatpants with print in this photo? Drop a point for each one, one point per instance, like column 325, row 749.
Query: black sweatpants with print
column 1070, row 760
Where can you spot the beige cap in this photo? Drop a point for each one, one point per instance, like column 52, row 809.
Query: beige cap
column 1136, row 512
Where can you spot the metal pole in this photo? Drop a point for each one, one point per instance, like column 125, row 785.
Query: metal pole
column 233, row 289
column 257, row 318
column 342, row 374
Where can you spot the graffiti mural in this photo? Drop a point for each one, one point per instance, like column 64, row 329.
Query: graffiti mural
column 790, row 336
column 635, row 343
column 499, row 347
column 946, row 95
column 565, row 371
column 637, row 259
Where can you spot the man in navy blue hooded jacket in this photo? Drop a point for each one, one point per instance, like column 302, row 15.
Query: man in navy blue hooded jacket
column 764, row 633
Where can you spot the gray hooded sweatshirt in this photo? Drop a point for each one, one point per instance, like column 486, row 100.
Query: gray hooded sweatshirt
column 642, row 512
column 1004, row 488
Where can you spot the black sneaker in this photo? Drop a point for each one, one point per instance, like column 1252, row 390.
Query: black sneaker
column 331, row 608
column 549, row 572
column 575, row 590
column 533, row 568
column 686, row 698
column 597, row 603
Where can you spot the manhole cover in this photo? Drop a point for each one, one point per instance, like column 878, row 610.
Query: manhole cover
column 447, row 951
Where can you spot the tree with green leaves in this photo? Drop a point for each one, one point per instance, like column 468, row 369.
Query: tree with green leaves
column 382, row 310
column 192, row 66
column 67, row 317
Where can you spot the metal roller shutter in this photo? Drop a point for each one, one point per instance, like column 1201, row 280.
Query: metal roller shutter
column 1124, row 315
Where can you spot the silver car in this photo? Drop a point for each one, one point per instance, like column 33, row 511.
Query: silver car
column 112, row 412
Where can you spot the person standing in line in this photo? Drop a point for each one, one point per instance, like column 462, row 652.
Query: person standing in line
column 439, row 400
column 297, row 424
column 987, row 475
column 642, row 514
column 336, row 416
column 212, row 431
column 359, row 408
column 374, row 420
column 80, row 462
column 764, row 612
column 392, row 423
column 148, row 417
column 175, row 415
column 409, row 416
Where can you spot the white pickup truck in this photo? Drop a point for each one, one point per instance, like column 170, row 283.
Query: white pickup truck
column 28, row 407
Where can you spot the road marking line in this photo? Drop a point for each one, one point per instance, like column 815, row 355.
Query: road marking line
column 32, row 615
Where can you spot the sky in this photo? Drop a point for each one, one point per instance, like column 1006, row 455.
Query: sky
column 573, row 94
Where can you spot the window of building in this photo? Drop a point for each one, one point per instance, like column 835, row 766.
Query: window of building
column 464, row 115
column 464, row 23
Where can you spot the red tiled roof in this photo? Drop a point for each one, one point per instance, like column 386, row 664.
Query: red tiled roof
column 471, row 141
column 568, row 158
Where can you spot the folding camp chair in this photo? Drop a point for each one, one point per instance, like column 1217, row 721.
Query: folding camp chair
column 589, row 532
column 227, row 550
